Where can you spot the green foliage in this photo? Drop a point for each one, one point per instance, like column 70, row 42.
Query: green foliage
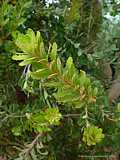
column 61, row 110
column 92, row 135
column 72, row 88
column 12, row 17
column 39, row 122
column 73, row 14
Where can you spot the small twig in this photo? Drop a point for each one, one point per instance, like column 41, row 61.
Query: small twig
column 86, row 115
column 71, row 115
column 12, row 116
column 31, row 145
column 114, row 120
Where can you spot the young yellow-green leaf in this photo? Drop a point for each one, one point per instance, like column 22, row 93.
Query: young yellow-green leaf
column 59, row 66
column 69, row 62
column 20, row 56
column 53, row 116
column 92, row 135
column 95, row 91
column 70, row 68
column 39, row 37
column 41, row 122
column 118, row 108
column 41, row 53
column 53, row 53
column 25, row 42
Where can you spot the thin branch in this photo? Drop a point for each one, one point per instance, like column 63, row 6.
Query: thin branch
column 31, row 145
column 12, row 116
column 71, row 115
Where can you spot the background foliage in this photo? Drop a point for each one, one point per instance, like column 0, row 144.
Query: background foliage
column 60, row 98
